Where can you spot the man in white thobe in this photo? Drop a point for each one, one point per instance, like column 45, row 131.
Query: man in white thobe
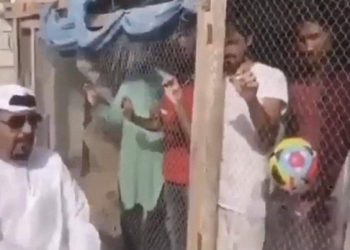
column 41, row 206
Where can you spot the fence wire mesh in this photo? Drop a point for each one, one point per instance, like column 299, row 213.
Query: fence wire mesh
column 293, row 55
column 306, row 43
column 152, row 84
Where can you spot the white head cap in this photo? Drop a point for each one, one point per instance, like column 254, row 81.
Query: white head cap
column 15, row 98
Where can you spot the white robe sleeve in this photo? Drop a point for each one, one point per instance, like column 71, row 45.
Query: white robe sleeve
column 5, row 245
column 81, row 233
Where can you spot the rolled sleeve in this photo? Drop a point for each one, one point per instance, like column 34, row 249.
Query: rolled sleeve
column 273, row 84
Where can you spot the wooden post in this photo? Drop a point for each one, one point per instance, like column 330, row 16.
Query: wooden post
column 85, row 168
column 32, row 59
column 21, row 11
column 32, row 25
column 207, row 127
column 15, row 45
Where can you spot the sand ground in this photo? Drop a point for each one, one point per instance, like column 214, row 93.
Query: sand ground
column 101, row 187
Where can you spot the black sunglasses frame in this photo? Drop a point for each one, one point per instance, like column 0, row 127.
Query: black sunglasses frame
column 17, row 121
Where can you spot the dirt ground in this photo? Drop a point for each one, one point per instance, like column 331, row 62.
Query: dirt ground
column 101, row 187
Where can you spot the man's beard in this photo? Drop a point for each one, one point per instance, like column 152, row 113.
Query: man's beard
column 308, row 67
column 309, row 64
column 230, row 68
column 21, row 151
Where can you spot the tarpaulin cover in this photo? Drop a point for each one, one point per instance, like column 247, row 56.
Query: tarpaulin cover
column 78, row 29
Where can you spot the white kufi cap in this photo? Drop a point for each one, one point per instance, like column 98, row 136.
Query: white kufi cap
column 16, row 98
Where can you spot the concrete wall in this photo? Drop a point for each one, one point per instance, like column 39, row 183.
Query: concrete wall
column 59, row 91
column 7, row 69
column 58, row 86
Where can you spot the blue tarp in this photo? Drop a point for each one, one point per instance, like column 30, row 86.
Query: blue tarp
column 76, row 29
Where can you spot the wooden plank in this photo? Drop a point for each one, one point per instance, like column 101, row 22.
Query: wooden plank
column 5, row 40
column 63, row 4
column 5, row 26
column 43, row 1
column 30, row 24
column 86, row 167
column 45, row 88
column 207, row 127
column 15, row 44
column 32, row 59
column 6, row 58
column 22, row 9
column 7, row 75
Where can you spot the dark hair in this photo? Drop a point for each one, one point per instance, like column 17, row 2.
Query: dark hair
column 187, row 25
column 239, row 18
column 171, row 57
column 333, row 16
column 320, row 12
column 239, row 26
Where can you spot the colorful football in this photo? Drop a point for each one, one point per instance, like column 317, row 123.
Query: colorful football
column 294, row 165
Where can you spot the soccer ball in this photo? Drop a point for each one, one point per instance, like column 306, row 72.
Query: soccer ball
column 294, row 165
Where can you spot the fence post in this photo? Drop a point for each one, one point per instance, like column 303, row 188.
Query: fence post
column 207, row 126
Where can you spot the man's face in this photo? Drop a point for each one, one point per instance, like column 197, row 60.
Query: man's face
column 17, row 134
column 188, row 44
column 314, row 42
column 187, row 51
column 171, row 85
column 236, row 47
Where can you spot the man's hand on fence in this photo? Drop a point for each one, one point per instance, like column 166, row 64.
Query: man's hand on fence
column 128, row 108
column 98, row 95
column 155, row 111
column 91, row 94
column 173, row 91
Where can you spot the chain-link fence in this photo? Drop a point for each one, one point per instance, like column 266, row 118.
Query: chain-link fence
column 149, row 119
column 287, row 70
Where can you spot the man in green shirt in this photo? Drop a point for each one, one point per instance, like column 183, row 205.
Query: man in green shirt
column 141, row 160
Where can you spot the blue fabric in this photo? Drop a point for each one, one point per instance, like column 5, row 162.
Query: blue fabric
column 153, row 22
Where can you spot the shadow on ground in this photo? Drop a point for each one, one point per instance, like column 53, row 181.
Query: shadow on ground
column 111, row 243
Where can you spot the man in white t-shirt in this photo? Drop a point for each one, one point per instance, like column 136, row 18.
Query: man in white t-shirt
column 256, row 95
column 41, row 206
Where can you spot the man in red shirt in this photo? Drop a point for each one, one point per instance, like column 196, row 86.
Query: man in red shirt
column 174, row 119
column 319, row 97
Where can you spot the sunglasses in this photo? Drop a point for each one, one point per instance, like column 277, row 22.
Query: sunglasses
column 18, row 121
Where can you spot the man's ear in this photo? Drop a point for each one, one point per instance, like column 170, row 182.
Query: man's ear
column 249, row 40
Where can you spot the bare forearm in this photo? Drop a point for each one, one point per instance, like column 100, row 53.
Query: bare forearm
column 151, row 124
column 184, row 119
column 101, row 103
column 105, row 95
column 98, row 108
column 266, row 129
